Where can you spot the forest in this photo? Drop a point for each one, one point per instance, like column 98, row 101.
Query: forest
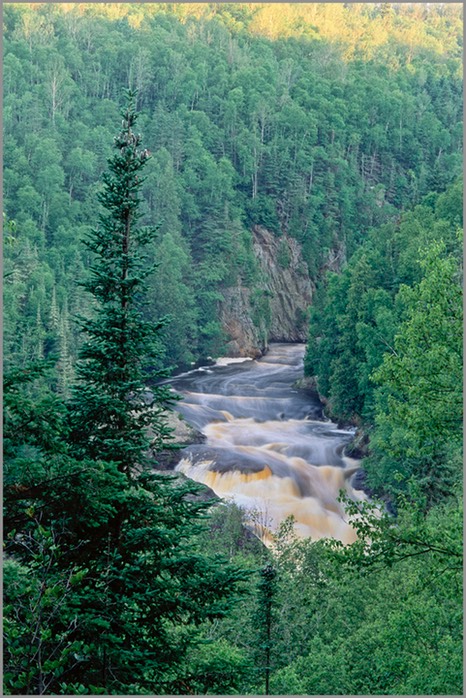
column 144, row 144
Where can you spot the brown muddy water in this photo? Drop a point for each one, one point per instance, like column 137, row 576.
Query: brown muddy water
column 268, row 446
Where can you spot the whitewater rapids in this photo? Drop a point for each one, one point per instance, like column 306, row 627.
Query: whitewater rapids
column 268, row 447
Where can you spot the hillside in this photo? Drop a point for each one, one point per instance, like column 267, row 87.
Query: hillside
column 289, row 119
column 184, row 182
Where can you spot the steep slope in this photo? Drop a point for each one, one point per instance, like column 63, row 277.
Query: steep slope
column 276, row 309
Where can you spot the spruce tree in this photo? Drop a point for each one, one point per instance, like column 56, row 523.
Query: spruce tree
column 149, row 586
column 111, row 410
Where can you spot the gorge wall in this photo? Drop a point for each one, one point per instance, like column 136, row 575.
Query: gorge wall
column 275, row 309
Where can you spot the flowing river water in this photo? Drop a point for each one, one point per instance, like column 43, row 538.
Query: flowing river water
column 268, row 447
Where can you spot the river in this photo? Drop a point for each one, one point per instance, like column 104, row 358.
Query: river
column 268, row 446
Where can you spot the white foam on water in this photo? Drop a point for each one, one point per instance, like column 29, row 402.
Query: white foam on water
column 272, row 468
column 228, row 360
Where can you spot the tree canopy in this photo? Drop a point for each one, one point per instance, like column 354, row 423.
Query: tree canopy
column 338, row 125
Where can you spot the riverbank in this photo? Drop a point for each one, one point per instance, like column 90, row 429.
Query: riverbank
column 183, row 434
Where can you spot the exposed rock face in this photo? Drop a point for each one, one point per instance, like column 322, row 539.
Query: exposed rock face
column 235, row 316
column 287, row 283
column 276, row 309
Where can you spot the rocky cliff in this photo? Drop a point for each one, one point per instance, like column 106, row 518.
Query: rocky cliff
column 276, row 308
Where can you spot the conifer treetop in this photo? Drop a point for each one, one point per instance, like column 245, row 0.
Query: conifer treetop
column 112, row 409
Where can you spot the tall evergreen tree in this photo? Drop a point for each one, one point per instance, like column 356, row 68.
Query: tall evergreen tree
column 111, row 410
column 155, row 581
column 126, row 623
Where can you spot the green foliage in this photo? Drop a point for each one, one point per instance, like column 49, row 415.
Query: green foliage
column 321, row 121
column 110, row 410
column 107, row 580
column 311, row 120
column 169, row 294
column 402, row 579
column 266, row 591
column 386, row 347
column 40, row 618
column 356, row 314
column 227, row 535
column 215, row 668
column 419, row 398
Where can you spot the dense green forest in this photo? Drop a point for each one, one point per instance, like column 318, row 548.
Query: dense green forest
column 385, row 344
column 339, row 125
column 331, row 125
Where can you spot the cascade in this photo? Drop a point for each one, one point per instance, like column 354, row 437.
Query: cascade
column 268, row 447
